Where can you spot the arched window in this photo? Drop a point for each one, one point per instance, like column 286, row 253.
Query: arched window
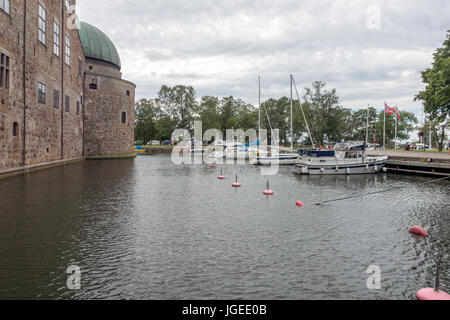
column 93, row 86
column 15, row 129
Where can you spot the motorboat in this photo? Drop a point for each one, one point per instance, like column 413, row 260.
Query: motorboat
column 344, row 159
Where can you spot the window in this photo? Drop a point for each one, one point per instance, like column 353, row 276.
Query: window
column 4, row 70
column 80, row 67
column 128, row 92
column 124, row 117
column 67, row 4
column 4, row 5
column 15, row 129
column 56, row 38
column 67, row 104
column 93, row 86
column 78, row 108
column 55, row 98
column 42, row 91
column 67, row 50
column 42, row 23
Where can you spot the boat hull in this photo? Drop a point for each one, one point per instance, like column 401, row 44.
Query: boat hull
column 345, row 169
column 282, row 161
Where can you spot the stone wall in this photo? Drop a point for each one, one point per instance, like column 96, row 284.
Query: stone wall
column 11, row 100
column 51, row 133
column 105, row 134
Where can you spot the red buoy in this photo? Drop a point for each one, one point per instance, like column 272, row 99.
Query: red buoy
column 212, row 166
column 299, row 204
column 419, row 231
column 268, row 192
column 431, row 294
column 236, row 184
column 221, row 177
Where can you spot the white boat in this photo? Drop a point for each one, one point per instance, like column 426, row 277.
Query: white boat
column 280, row 159
column 343, row 160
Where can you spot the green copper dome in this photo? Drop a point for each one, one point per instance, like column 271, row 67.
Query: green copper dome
column 97, row 45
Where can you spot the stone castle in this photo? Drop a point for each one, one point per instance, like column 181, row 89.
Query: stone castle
column 62, row 96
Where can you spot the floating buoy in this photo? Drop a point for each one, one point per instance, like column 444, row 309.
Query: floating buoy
column 433, row 293
column 212, row 165
column 236, row 184
column 268, row 192
column 221, row 177
column 418, row 231
column 299, row 204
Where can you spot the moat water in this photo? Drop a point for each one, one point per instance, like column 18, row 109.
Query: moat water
column 147, row 229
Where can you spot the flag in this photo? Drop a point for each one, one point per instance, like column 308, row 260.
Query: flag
column 398, row 113
column 388, row 109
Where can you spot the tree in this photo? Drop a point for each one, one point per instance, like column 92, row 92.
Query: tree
column 436, row 96
column 147, row 114
column 320, row 107
column 208, row 113
column 180, row 104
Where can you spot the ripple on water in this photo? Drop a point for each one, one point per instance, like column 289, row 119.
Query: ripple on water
column 145, row 229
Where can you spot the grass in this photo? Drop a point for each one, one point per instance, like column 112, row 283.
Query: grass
column 157, row 147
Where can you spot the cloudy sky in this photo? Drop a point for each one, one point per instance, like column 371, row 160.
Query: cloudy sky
column 370, row 51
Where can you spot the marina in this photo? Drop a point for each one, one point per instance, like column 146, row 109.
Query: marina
column 157, row 151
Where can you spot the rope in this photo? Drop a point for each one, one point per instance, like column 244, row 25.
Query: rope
column 376, row 192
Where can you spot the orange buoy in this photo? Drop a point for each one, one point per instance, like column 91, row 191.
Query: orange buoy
column 433, row 293
column 236, row 184
column 418, row 231
column 299, row 204
column 268, row 192
column 221, row 177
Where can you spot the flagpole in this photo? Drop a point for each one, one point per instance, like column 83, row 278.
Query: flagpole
column 384, row 127
column 396, row 124
column 367, row 126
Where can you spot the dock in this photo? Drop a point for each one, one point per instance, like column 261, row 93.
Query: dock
column 424, row 163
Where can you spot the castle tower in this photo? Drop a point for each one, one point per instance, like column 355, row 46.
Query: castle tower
column 108, row 99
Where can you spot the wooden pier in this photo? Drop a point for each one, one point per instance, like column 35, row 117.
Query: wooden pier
column 425, row 163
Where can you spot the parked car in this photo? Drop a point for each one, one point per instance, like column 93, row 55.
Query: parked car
column 154, row 143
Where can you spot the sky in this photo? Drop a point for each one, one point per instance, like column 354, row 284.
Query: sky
column 370, row 51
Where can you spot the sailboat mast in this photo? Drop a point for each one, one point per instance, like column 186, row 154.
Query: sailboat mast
column 259, row 111
column 301, row 108
column 292, row 121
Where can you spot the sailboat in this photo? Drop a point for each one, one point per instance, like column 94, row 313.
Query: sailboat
column 277, row 159
column 345, row 159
